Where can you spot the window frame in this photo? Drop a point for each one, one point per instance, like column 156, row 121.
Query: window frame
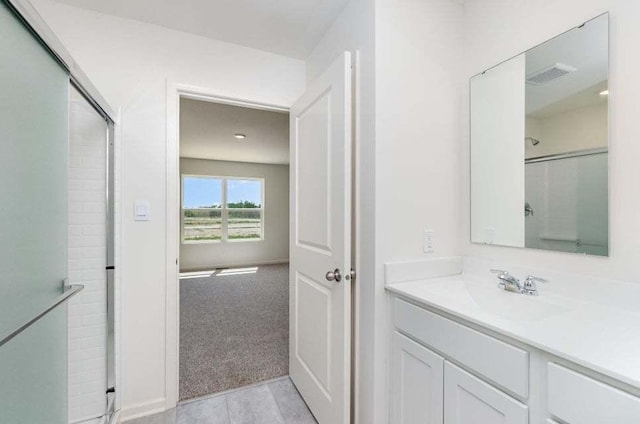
column 224, row 210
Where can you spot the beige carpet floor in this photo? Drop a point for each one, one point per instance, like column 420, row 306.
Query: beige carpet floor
column 234, row 328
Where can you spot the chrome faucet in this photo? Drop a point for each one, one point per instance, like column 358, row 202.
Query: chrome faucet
column 507, row 281
column 510, row 283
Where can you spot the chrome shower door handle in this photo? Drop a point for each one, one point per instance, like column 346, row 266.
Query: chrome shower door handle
column 334, row 275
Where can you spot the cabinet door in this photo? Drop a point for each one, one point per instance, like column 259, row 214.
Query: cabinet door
column 469, row 400
column 577, row 399
column 416, row 383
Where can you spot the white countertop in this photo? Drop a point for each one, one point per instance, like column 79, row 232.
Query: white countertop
column 588, row 332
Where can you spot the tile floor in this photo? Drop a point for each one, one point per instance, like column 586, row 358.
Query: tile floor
column 273, row 402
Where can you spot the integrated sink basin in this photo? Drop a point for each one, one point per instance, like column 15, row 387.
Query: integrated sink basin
column 486, row 298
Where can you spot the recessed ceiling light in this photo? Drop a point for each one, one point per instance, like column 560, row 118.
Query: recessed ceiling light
column 604, row 93
column 240, row 136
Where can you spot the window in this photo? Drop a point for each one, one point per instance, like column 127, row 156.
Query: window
column 224, row 209
column 244, row 209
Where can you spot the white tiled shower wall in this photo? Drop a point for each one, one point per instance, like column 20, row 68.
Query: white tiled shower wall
column 87, row 261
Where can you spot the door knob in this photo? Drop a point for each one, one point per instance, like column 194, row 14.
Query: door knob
column 334, row 275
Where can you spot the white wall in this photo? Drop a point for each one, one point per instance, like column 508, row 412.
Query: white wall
column 353, row 30
column 417, row 126
column 418, row 88
column 499, row 29
column 275, row 246
column 130, row 62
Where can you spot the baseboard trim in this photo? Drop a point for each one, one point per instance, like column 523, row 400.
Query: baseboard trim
column 115, row 418
column 235, row 265
column 96, row 420
column 132, row 412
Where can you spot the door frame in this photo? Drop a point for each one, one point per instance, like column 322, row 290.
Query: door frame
column 176, row 91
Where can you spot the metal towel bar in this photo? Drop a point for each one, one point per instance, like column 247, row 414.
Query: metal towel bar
column 69, row 292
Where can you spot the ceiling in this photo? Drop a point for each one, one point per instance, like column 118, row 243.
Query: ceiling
column 588, row 97
column 287, row 27
column 586, row 49
column 207, row 132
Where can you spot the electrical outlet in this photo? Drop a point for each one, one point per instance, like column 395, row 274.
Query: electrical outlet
column 428, row 241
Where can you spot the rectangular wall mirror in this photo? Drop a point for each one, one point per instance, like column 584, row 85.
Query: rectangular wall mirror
column 539, row 146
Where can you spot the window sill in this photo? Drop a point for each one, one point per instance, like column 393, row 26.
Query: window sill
column 221, row 241
column 201, row 241
column 244, row 240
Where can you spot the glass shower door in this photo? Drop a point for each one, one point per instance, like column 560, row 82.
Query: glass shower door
column 33, row 228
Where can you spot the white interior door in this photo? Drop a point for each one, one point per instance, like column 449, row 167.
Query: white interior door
column 320, row 254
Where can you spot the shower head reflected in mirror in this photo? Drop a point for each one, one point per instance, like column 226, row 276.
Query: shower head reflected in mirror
column 534, row 141
column 528, row 210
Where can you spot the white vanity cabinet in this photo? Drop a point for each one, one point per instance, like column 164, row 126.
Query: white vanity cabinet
column 443, row 371
column 427, row 389
column 503, row 364
column 577, row 399
column 416, row 383
column 469, row 400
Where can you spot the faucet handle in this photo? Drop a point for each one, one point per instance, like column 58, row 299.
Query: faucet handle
column 498, row 271
column 530, row 284
column 531, row 278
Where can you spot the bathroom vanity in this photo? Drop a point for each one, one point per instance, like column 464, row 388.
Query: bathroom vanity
column 465, row 351
column 471, row 347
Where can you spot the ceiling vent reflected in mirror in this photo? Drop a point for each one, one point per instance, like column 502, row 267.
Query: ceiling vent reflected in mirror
column 546, row 75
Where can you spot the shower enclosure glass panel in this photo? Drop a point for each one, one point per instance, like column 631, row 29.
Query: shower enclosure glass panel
column 568, row 204
column 33, row 227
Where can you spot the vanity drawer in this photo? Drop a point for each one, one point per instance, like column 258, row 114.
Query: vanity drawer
column 576, row 398
column 505, row 365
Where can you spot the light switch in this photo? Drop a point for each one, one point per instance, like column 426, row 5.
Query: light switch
column 141, row 210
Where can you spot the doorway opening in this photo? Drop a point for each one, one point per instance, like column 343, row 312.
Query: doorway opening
column 233, row 246
column 318, row 340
